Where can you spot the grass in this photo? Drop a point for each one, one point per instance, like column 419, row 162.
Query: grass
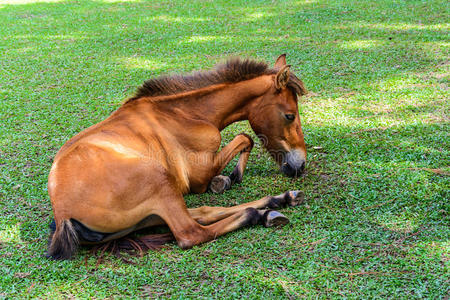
column 376, row 220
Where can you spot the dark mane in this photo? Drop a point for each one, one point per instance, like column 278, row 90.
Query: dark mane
column 233, row 71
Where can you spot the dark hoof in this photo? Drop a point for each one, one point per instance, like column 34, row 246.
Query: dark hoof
column 291, row 198
column 219, row 184
column 273, row 218
column 236, row 176
column 294, row 198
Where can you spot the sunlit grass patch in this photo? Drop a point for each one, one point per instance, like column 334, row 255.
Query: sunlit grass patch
column 10, row 233
column 141, row 63
column 201, row 38
column 360, row 44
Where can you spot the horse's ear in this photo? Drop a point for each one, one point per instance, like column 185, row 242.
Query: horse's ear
column 282, row 77
column 280, row 62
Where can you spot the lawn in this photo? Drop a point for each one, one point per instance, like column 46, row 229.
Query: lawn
column 376, row 123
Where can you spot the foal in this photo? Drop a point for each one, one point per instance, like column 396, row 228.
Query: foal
column 131, row 170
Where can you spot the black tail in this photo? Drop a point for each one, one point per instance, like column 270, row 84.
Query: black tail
column 63, row 241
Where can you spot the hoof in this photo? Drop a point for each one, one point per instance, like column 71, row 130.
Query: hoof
column 290, row 198
column 219, row 184
column 236, row 176
column 294, row 198
column 274, row 218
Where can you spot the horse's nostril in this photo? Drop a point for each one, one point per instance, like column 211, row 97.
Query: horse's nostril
column 302, row 167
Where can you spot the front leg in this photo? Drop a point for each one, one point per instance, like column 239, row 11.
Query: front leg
column 242, row 144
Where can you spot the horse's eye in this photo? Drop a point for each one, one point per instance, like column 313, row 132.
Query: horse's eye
column 290, row 117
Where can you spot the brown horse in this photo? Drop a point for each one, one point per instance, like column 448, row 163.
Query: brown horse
column 131, row 170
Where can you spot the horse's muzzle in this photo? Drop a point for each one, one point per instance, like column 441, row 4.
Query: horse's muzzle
column 293, row 164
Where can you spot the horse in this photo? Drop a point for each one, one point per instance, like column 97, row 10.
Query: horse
column 131, row 170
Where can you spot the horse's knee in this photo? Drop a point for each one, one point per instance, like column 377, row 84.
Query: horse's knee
column 185, row 244
column 250, row 142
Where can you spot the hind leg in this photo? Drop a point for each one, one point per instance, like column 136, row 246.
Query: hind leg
column 188, row 232
column 207, row 215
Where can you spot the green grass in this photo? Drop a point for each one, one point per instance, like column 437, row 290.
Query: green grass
column 376, row 221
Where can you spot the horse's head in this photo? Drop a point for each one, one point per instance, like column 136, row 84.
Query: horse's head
column 276, row 120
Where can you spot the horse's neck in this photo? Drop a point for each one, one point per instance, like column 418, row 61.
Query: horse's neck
column 225, row 104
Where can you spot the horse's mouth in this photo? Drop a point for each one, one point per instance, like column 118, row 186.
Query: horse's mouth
column 290, row 171
column 293, row 164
